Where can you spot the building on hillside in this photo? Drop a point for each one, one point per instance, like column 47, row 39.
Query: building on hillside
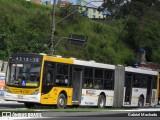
column 85, row 2
column 64, row 3
column 91, row 12
column 36, row 1
column 89, row 8
column 44, row 2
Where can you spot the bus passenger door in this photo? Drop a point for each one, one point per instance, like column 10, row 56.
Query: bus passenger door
column 149, row 90
column 128, row 92
column 77, row 85
column 48, row 77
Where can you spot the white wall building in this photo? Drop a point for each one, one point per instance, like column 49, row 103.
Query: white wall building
column 90, row 7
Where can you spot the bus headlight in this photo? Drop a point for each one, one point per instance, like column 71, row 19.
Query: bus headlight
column 7, row 90
column 35, row 92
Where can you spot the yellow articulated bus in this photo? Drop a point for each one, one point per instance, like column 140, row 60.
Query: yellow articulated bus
column 53, row 80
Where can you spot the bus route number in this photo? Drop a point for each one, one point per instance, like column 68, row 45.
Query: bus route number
column 26, row 59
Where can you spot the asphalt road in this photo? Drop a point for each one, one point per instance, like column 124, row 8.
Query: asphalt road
column 97, row 118
column 70, row 115
column 11, row 105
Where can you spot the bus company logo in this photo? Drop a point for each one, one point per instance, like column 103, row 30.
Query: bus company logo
column 6, row 114
column 90, row 92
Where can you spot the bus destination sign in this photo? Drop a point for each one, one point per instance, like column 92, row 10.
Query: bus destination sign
column 34, row 59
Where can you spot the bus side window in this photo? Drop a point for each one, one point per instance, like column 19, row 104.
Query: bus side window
column 85, row 86
column 96, row 86
column 88, row 78
column 48, row 78
column 66, row 81
column 62, row 75
column 89, row 85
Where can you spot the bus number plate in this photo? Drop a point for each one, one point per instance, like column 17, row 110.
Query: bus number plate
column 20, row 96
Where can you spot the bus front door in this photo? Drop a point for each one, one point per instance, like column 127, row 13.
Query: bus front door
column 77, row 86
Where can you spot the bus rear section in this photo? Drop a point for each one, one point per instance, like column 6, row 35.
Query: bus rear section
column 138, row 87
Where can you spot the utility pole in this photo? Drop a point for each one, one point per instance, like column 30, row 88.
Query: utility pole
column 53, row 26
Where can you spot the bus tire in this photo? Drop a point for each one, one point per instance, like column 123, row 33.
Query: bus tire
column 61, row 103
column 141, row 102
column 101, row 101
column 29, row 105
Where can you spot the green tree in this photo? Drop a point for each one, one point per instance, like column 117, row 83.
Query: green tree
column 140, row 19
column 73, row 13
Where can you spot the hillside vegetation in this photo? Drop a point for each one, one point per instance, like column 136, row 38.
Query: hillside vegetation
column 26, row 27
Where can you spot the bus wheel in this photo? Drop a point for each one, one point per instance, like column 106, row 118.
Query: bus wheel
column 29, row 105
column 61, row 101
column 101, row 101
column 140, row 102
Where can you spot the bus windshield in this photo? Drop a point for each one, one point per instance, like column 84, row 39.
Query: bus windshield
column 23, row 75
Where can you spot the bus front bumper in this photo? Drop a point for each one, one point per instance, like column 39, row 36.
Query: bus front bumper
column 22, row 98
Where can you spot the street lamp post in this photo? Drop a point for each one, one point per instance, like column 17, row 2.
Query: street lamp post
column 54, row 24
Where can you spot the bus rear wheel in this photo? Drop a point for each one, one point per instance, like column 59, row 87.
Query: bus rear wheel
column 140, row 102
column 61, row 103
column 29, row 105
column 101, row 101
